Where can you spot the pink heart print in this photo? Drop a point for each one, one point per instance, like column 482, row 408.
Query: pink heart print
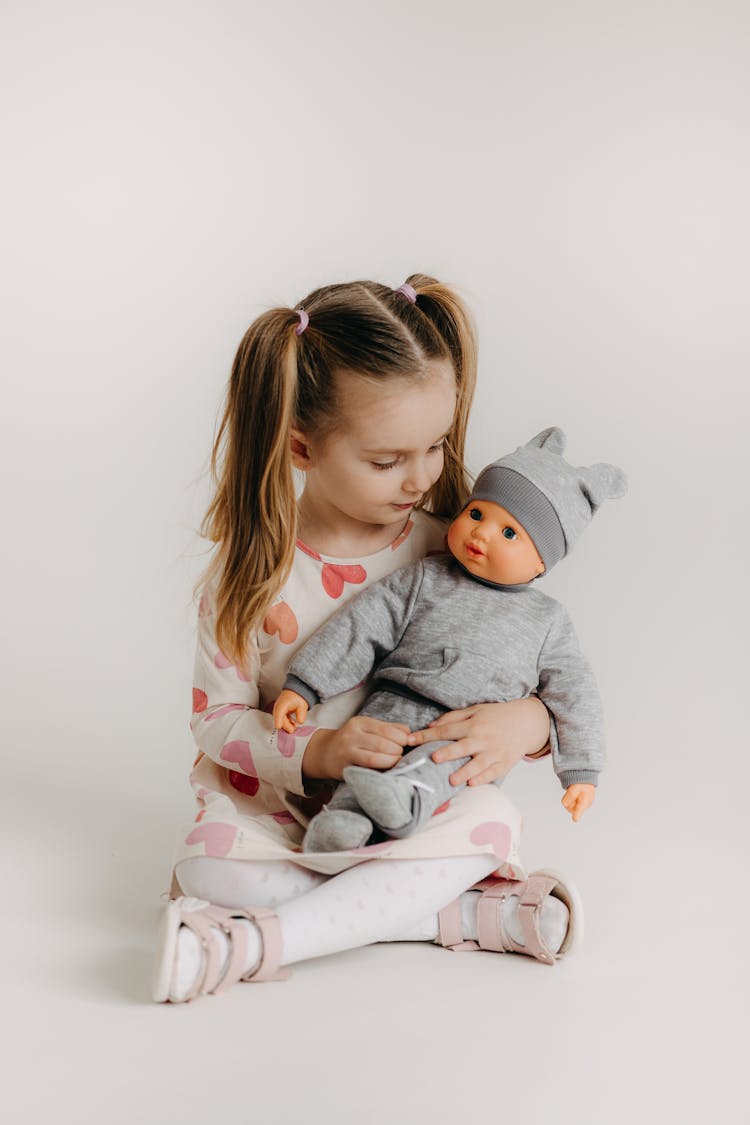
column 495, row 833
column 285, row 742
column 244, row 784
column 222, row 661
column 280, row 619
column 225, row 711
column 238, row 753
column 216, row 838
column 334, row 575
column 200, row 701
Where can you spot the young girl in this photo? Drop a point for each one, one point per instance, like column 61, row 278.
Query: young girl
column 366, row 390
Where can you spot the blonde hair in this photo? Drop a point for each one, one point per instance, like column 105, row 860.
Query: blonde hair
column 279, row 380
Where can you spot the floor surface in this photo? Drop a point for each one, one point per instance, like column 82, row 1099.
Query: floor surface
column 646, row 1022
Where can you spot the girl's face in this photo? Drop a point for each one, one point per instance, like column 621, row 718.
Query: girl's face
column 386, row 452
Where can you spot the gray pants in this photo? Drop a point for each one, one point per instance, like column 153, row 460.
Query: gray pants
column 429, row 781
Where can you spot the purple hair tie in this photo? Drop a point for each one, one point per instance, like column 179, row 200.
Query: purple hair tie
column 304, row 320
column 408, row 291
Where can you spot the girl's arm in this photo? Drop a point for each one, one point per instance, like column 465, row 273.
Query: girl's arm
column 228, row 725
column 496, row 736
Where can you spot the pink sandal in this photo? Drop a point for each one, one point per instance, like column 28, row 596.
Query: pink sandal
column 492, row 934
column 201, row 917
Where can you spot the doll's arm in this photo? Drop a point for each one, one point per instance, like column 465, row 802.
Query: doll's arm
column 568, row 688
column 287, row 705
column 578, row 798
column 343, row 652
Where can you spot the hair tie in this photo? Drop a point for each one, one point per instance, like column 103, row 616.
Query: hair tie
column 408, row 291
column 304, row 320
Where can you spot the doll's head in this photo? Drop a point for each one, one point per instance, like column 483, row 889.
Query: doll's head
column 527, row 510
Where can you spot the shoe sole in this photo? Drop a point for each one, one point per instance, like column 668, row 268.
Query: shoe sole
column 568, row 893
column 166, row 948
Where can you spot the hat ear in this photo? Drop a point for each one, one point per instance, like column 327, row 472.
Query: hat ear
column 603, row 482
column 552, row 439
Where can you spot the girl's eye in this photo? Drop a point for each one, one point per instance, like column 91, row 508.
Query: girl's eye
column 509, row 533
column 383, row 465
column 475, row 514
column 437, row 447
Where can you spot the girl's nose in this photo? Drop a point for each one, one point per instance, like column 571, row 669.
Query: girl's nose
column 419, row 479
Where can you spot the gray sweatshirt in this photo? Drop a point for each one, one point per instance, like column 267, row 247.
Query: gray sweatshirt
column 432, row 630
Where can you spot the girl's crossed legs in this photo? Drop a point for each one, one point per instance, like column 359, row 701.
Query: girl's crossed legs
column 380, row 900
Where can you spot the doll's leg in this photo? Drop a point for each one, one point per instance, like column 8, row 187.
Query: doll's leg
column 339, row 826
column 400, row 800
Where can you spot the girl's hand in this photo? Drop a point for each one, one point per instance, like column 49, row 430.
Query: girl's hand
column 361, row 741
column 494, row 735
column 578, row 798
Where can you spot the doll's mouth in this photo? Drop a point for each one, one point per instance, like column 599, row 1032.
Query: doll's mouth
column 474, row 551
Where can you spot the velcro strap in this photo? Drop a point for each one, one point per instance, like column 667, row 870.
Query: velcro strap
column 201, row 923
column 532, row 896
column 490, row 930
column 270, row 932
column 450, row 932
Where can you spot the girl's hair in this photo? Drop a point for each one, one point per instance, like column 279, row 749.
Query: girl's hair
column 281, row 379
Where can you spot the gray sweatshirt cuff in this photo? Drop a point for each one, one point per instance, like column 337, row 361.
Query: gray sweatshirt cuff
column 293, row 684
column 573, row 777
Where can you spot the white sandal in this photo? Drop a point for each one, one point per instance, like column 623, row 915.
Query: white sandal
column 491, row 932
column 202, row 917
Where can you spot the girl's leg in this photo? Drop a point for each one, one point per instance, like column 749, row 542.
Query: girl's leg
column 238, row 882
column 386, row 900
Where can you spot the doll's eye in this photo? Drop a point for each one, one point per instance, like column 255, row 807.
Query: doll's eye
column 509, row 533
column 475, row 514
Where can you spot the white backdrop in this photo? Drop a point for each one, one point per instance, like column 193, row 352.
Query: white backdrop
column 581, row 171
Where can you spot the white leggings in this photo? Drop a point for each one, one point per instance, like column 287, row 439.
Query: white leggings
column 380, row 900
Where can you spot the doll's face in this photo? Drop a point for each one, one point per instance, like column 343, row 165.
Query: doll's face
column 491, row 544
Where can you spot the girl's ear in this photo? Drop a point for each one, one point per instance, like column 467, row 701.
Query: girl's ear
column 300, row 450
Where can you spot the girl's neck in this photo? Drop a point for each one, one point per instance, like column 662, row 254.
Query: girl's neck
column 326, row 530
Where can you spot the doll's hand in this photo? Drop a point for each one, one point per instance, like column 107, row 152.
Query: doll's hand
column 578, row 798
column 494, row 735
column 288, row 704
column 362, row 741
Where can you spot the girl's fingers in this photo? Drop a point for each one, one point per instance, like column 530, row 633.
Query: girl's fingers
column 464, row 774
column 394, row 732
column 466, row 748
column 452, row 717
column 375, row 760
column 452, row 731
column 488, row 775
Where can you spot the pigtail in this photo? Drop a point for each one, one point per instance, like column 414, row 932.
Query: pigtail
column 253, row 514
column 453, row 323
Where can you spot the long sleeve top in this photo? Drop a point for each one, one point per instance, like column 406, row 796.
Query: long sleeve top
column 431, row 629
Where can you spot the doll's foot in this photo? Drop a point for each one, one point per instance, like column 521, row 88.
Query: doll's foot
column 390, row 798
column 337, row 830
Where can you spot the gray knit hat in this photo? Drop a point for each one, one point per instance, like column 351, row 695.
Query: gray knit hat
column 554, row 501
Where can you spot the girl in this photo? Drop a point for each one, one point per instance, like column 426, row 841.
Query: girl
column 366, row 390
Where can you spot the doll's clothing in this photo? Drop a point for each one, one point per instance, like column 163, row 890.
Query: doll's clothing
column 431, row 632
column 253, row 802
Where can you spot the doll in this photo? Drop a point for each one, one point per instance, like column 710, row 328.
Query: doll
column 458, row 629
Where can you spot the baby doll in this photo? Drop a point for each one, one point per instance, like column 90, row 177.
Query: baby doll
column 468, row 627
